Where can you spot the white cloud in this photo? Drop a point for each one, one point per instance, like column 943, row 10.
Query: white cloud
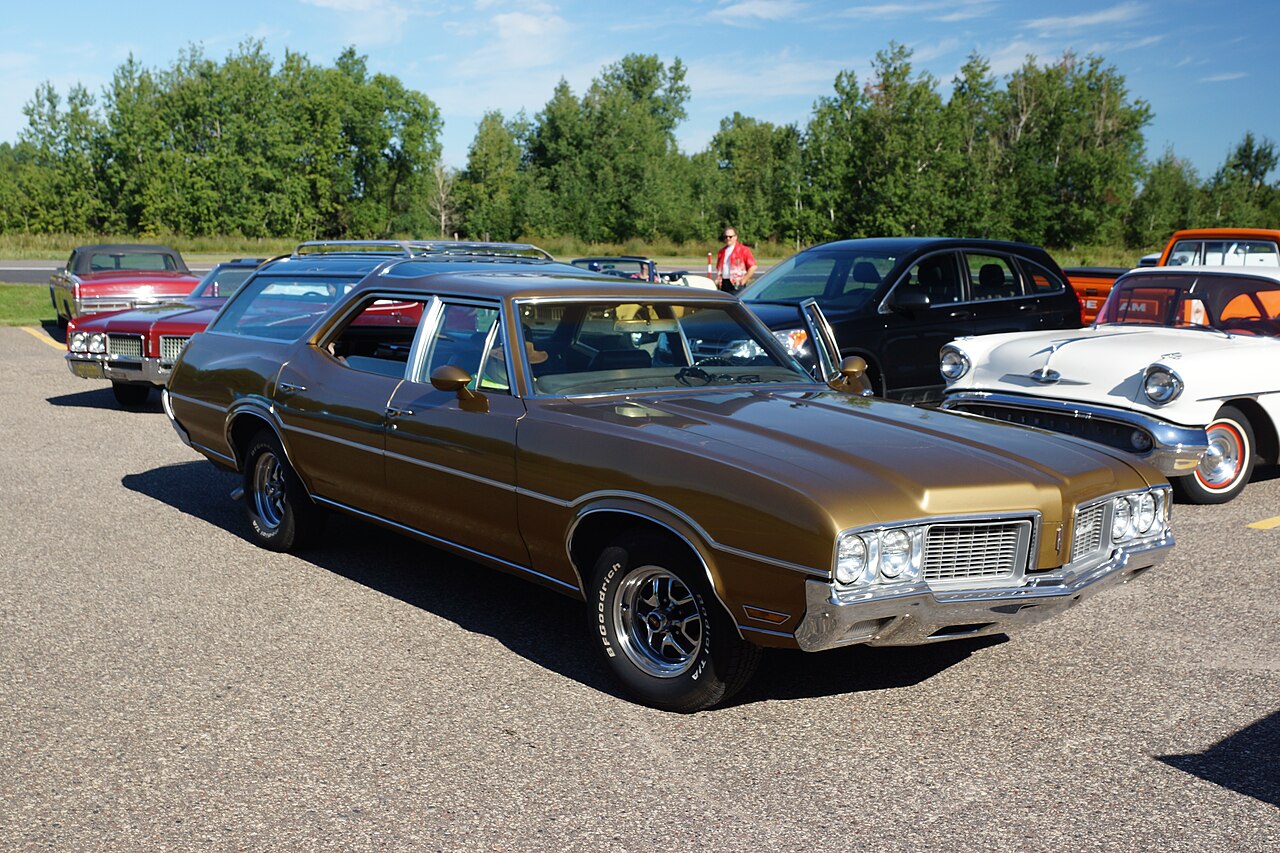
column 783, row 76
column 376, row 22
column 967, row 10
column 1224, row 78
column 1120, row 14
column 750, row 12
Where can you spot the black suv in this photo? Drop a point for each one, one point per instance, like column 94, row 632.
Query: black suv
column 896, row 300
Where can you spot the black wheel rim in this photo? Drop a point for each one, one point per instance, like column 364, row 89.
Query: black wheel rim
column 658, row 622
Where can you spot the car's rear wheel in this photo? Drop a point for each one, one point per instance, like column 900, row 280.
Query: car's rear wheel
column 129, row 394
column 1227, row 464
column 664, row 638
column 282, row 515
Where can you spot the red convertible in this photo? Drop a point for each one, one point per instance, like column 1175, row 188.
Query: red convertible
column 113, row 277
column 136, row 348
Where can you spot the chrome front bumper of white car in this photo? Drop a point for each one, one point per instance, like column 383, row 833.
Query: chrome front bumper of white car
column 1171, row 449
column 918, row 614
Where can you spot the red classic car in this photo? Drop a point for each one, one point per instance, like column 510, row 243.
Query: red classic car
column 113, row 277
column 135, row 348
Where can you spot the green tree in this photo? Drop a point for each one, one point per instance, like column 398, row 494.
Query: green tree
column 1169, row 200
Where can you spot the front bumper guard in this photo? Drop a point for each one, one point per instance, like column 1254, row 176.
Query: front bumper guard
column 1175, row 450
column 104, row 366
column 918, row 614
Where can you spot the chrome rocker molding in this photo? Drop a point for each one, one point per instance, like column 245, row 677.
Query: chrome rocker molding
column 918, row 614
column 1175, row 451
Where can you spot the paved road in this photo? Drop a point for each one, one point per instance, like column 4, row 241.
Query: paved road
column 165, row 684
column 38, row 272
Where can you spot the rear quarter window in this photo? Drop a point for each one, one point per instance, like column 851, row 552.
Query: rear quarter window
column 1040, row 281
column 280, row 308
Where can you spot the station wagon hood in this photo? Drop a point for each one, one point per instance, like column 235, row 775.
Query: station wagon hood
column 946, row 464
column 1105, row 364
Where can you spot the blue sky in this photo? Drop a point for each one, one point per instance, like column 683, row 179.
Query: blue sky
column 1202, row 67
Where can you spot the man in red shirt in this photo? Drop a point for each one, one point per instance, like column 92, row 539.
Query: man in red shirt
column 735, row 263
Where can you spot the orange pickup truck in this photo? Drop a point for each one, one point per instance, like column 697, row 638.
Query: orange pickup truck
column 1232, row 247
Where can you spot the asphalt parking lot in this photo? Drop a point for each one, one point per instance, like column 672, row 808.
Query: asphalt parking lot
column 166, row 684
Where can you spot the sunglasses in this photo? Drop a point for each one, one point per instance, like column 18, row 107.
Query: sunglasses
column 727, row 236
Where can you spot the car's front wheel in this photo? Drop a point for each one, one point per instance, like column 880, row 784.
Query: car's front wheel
column 1227, row 464
column 282, row 515
column 664, row 638
column 129, row 394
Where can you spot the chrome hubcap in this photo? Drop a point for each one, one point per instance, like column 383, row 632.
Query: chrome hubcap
column 268, row 490
column 658, row 622
column 1222, row 461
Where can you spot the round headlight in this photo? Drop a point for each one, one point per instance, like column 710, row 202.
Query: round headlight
column 1121, row 519
column 953, row 363
column 1161, row 385
column 895, row 553
column 1144, row 515
column 97, row 342
column 851, row 559
column 794, row 340
column 79, row 342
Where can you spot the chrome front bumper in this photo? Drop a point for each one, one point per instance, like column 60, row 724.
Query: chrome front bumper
column 102, row 366
column 918, row 614
column 1175, row 450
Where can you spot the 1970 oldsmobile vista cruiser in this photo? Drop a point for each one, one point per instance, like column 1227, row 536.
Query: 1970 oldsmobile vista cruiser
column 573, row 431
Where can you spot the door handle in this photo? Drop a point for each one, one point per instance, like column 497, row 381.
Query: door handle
column 958, row 315
column 399, row 413
column 291, row 388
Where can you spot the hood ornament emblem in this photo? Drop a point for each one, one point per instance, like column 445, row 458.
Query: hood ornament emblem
column 1045, row 375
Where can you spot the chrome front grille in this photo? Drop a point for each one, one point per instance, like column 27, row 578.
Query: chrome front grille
column 125, row 346
column 976, row 551
column 1090, row 524
column 171, row 347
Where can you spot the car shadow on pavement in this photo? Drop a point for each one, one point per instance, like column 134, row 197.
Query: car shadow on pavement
column 102, row 398
column 1245, row 762
column 541, row 625
column 53, row 330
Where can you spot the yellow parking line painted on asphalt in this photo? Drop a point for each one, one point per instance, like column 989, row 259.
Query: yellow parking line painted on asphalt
column 42, row 337
column 1266, row 523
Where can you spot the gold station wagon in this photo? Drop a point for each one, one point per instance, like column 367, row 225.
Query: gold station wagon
column 602, row 438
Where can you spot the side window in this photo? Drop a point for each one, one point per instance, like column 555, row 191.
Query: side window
column 1039, row 281
column 469, row 337
column 991, row 277
column 379, row 338
column 936, row 277
column 1184, row 252
column 862, row 278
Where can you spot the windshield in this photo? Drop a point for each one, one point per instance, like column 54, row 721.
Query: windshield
column 608, row 347
column 839, row 280
column 221, row 281
column 1236, row 304
column 620, row 267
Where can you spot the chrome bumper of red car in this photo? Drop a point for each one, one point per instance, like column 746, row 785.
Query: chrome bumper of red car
column 918, row 614
column 99, row 366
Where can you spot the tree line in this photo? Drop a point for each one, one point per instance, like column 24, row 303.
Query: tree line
column 1052, row 154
